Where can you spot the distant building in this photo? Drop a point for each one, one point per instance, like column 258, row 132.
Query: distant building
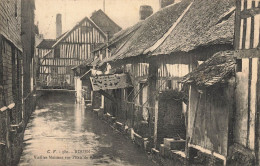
column 57, row 57
column 106, row 24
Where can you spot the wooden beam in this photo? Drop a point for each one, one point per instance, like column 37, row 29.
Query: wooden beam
column 1, row 61
column 250, row 12
column 249, row 53
column 249, row 102
column 252, row 28
column 110, row 97
column 207, row 151
column 257, row 126
column 170, row 78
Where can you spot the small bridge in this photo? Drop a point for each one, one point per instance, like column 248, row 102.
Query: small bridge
column 58, row 90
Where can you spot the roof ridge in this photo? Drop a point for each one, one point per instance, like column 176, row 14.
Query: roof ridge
column 77, row 24
column 163, row 38
column 105, row 16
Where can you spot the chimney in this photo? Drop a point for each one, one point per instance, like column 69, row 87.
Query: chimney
column 58, row 25
column 164, row 3
column 145, row 11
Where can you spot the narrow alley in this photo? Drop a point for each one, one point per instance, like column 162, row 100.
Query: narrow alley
column 129, row 82
column 63, row 133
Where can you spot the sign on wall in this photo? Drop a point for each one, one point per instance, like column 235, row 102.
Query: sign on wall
column 113, row 81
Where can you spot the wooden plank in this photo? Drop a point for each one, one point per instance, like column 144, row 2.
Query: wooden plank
column 244, row 34
column 244, row 27
column 78, row 55
column 258, row 30
column 252, row 28
column 257, row 130
column 76, row 35
column 253, row 103
column 250, row 12
column 249, row 100
column 249, row 53
column 81, row 37
column 108, row 96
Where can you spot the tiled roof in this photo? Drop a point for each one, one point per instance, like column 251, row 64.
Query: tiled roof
column 215, row 69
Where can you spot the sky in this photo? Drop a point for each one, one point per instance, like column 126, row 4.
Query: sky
column 124, row 12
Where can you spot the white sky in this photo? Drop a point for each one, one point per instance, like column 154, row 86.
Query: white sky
column 124, row 12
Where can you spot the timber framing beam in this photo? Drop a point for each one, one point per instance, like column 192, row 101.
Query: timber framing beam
column 249, row 53
column 107, row 96
column 1, row 64
column 80, row 43
column 250, row 12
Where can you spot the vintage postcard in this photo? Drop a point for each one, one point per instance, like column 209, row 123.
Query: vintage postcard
column 129, row 82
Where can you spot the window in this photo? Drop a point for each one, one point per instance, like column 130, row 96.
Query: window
column 169, row 84
column 129, row 94
column 141, row 94
column 143, row 100
column 56, row 53
column 239, row 65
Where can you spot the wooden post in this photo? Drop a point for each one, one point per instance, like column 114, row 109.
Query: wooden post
column 257, row 125
column 1, row 61
column 107, row 40
column 237, row 24
column 153, row 101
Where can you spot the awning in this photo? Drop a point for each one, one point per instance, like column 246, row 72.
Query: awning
column 112, row 81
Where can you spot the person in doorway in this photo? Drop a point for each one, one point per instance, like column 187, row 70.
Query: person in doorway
column 48, row 80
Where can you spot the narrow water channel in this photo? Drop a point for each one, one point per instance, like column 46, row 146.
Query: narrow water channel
column 61, row 132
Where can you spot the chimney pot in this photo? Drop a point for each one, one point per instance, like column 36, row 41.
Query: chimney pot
column 145, row 11
column 58, row 25
column 164, row 3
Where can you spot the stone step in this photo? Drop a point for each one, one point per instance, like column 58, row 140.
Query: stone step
column 173, row 144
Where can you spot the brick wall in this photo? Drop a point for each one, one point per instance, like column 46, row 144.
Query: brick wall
column 7, row 72
column 11, row 78
column 2, row 138
column 10, row 21
column 10, row 92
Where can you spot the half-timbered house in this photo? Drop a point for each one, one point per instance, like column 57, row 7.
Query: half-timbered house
column 235, row 139
column 246, row 118
column 195, row 36
column 137, row 105
column 210, row 109
column 157, row 55
column 73, row 48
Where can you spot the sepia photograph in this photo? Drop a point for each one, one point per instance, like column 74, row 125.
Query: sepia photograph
column 130, row 82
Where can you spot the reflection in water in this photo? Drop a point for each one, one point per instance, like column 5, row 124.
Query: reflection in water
column 79, row 113
column 61, row 132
